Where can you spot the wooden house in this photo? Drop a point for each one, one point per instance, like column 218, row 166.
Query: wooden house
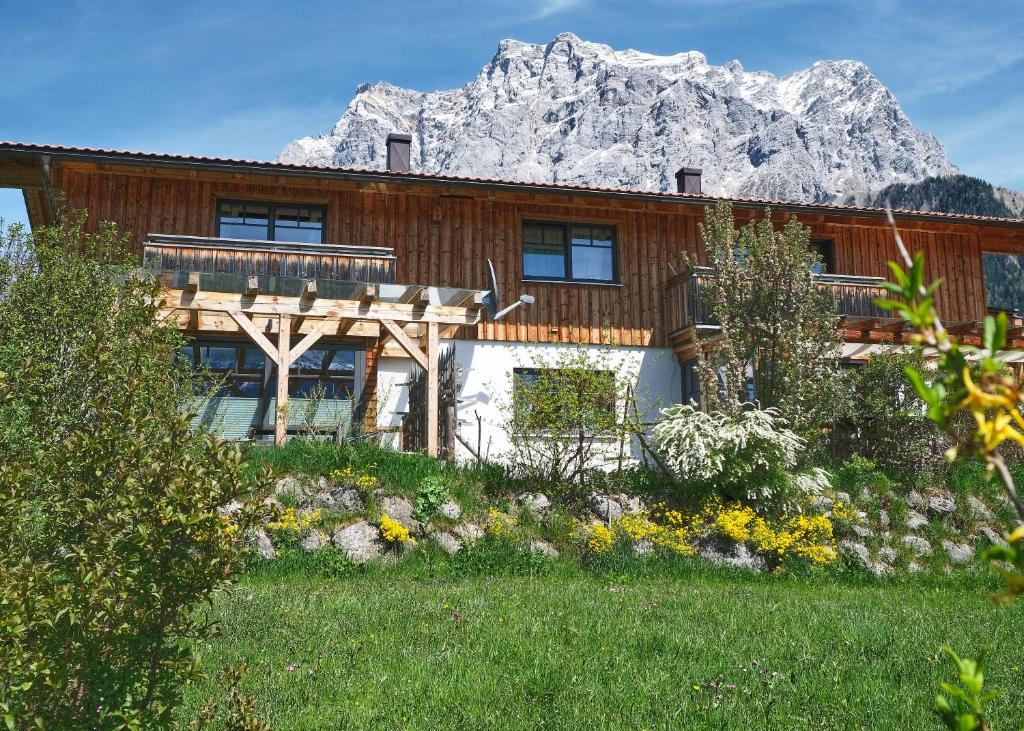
column 374, row 286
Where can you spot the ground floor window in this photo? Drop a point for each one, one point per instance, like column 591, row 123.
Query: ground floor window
column 240, row 397
column 242, row 369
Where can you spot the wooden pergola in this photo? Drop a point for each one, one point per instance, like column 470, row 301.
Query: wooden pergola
column 261, row 307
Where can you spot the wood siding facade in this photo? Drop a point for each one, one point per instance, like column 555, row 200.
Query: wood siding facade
column 443, row 233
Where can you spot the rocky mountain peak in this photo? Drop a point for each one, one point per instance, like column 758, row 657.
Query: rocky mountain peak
column 575, row 111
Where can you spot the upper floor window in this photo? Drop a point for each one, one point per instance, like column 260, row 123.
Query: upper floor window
column 570, row 252
column 271, row 222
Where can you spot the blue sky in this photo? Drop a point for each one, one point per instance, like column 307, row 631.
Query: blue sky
column 241, row 79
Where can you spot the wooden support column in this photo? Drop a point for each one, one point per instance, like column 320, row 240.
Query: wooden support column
column 432, row 388
column 283, row 364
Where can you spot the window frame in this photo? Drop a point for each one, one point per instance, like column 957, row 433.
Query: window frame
column 272, row 207
column 567, row 248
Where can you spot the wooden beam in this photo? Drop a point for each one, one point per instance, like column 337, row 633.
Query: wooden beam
column 309, row 289
column 369, row 293
column 432, row 389
column 259, row 338
column 892, row 327
column 415, row 296
column 396, row 331
column 307, row 342
column 252, row 286
column 337, row 309
column 283, row 364
column 193, row 282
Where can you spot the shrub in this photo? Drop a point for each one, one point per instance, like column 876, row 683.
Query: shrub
column 891, row 426
column 110, row 535
column 433, row 493
column 749, row 457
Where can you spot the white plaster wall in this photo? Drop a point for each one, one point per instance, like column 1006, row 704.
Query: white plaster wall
column 393, row 376
column 486, row 375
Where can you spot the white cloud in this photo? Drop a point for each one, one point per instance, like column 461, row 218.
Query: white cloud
column 547, row 8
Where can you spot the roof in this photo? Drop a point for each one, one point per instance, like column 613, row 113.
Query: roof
column 130, row 156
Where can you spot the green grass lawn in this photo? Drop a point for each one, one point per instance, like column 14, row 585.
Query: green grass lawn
column 567, row 649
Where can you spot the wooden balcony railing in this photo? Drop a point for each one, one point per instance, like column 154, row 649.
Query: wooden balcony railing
column 374, row 264
column 854, row 296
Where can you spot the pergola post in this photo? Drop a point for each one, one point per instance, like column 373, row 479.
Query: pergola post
column 284, row 335
column 432, row 386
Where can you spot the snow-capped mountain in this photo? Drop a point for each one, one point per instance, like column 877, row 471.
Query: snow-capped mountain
column 579, row 112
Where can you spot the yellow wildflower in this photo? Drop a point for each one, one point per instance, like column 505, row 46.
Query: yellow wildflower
column 393, row 531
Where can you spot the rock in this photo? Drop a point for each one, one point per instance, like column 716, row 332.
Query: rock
column 631, row 504
column 915, row 520
column 272, row 503
column 856, row 551
column 643, row 548
column 400, row 509
column 941, row 504
column 887, row 554
column 536, row 502
column 448, row 542
column 865, row 496
column 727, row 553
column 919, row 545
column 469, row 533
column 604, row 507
column 914, row 567
column 862, row 531
column 979, row 509
column 348, row 499
column 322, row 484
column 260, row 542
column 450, row 510
column 992, row 536
column 843, row 497
column 544, row 548
column 916, row 500
column 226, row 511
column 580, row 112
column 883, row 519
column 824, row 502
column 312, row 541
column 360, row 541
column 291, row 486
column 959, row 553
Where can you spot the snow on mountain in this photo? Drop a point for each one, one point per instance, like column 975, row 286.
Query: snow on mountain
column 578, row 112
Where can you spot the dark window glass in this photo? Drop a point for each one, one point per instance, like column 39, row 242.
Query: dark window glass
column 826, row 251
column 302, row 225
column 544, row 251
column 691, row 382
column 242, row 370
column 245, row 221
column 578, row 252
column 270, row 222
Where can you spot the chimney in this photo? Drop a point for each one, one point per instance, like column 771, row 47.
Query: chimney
column 398, row 152
column 688, row 180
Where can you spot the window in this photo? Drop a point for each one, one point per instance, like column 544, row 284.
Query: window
column 826, row 251
column 540, row 396
column 571, row 252
column 243, row 370
column 691, row 382
column 302, row 224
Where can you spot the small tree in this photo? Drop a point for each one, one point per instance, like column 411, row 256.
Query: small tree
column 569, row 413
column 110, row 535
column 776, row 322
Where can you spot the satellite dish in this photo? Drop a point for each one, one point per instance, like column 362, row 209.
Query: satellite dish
column 492, row 299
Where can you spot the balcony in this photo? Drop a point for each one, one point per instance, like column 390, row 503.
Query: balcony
column 374, row 264
column 854, row 297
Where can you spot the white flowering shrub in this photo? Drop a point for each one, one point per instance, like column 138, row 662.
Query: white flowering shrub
column 751, row 456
